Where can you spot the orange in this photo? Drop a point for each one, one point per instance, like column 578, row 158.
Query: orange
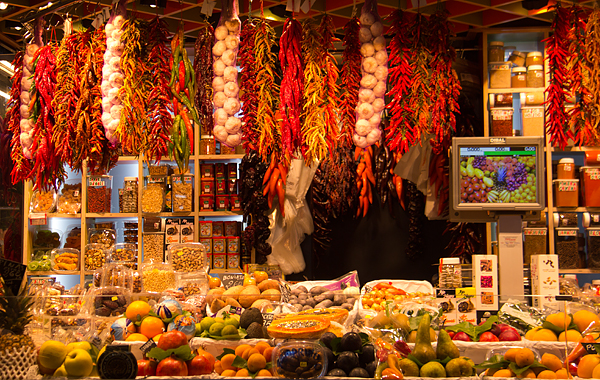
column 546, row 375
column 239, row 350
column 490, row 371
column 584, row 318
column 260, row 276
column 248, row 280
column 511, row 353
column 218, row 368
column 524, row 357
column 544, row 335
column 214, row 282
column 228, row 373
column 137, row 338
column 262, row 346
column 529, row 374
column 256, row 362
column 586, row 366
column 242, row 373
column 596, row 372
column 552, row 362
column 137, row 310
column 264, row 373
column 563, row 374
column 571, row 335
column 560, row 320
column 156, row 338
column 227, row 362
column 504, row 373
column 152, row 326
column 249, row 353
column 268, row 353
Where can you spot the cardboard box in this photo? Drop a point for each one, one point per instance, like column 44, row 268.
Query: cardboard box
column 466, row 310
column 544, row 279
column 172, row 231
column 446, row 300
column 485, row 281
column 186, row 228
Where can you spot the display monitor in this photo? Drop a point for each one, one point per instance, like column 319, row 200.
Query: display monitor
column 495, row 175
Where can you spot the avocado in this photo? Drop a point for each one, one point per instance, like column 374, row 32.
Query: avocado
column 367, row 355
column 337, row 373
column 371, row 368
column 359, row 372
column 347, row 361
column 326, row 339
column 351, row 341
column 249, row 316
column 255, row 331
column 330, row 358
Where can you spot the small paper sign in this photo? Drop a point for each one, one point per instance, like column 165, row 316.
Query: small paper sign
column 207, row 7
column 285, row 291
column 590, row 348
column 267, row 319
column 12, row 272
column 150, row 344
column 37, row 219
column 230, row 280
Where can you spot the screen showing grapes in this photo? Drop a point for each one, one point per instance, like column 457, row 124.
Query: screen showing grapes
column 498, row 174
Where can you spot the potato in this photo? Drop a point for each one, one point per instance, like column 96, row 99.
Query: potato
column 294, row 302
column 233, row 292
column 248, row 295
column 306, row 307
column 297, row 308
column 310, row 301
column 339, row 299
column 347, row 306
column 351, row 300
column 320, row 298
column 302, row 289
column 329, row 295
column 303, row 297
column 268, row 284
column 297, row 291
column 318, row 290
column 324, row 304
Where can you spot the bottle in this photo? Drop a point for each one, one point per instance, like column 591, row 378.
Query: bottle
column 450, row 273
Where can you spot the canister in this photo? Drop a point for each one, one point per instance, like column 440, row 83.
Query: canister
column 99, row 193
column 234, row 202
column 591, row 185
column 496, row 51
column 565, row 168
column 222, row 203
column 519, row 77
column 534, row 58
column 206, row 229
column 207, row 187
column 566, row 191
column 221, row 186
column 207, row 203
column 218, row 229
column 220, row 170
column 208, row 170
column 231, row 228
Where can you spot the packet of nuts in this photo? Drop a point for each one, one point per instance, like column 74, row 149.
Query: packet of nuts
column 188, row 257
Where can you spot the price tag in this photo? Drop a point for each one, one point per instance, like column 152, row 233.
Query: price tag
column 591, row 348
column 37, row 219
column 267, row 319
column 230, row 280
column 150, row 344
column 114, row 298
column 207, row 7
column 12, row 273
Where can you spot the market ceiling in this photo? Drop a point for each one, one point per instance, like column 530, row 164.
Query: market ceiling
column 464, row 14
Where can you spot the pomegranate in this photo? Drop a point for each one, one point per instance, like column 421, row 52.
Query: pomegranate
column 488, row 337
column 147, row 367
column 172, row 339
column 172, row 366
column 199, row 365
column 462, row 336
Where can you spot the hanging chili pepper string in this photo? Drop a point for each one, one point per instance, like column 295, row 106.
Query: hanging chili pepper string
column 420, row 101
column 579, row 121
column 203, row 68
column 22, row 166
column 350, row 76
column 248, row 96
column 590, row 79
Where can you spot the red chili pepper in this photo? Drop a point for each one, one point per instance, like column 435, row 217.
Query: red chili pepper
column 181, row 76
column 188, row 127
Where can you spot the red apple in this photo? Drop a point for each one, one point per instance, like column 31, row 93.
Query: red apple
column 462, row 336
column 199, row 365
column 509, row 335
column 504, row 326
column 172, row 339
column 208, row 356
column 496, row 329
column 573, row 368
column 488, row 337
column 171, row 366
column 451, row 334
column 147, row 367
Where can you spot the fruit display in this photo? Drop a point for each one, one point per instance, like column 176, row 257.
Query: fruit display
column 349, row 356
column 299, row 360
column 524, row 363
column 320, row 297
column 227, row 327
column 257, row 291
column 560, row 327
column 245, row 361
column 497, row 179
column 375, row 297
column 489, row 331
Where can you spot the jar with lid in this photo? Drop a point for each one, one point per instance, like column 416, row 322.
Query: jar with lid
column 565, row 168
column 153, row 195
column 535, row 243
column 593, row 246
column 534, row 58
column 99, row 193
column 535, row 76
column 519, row 77
column 517, row 58
column 450, row 273
column 499, row 75
column 496, row 51
column 567, row 248
column 207, row 145
column 502, row 122
column 182, row 192
column 130, row 195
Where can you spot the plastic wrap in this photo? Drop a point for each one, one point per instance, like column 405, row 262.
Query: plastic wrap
column 94, row 256
column 158, row 277
column 188, row 257
column 65, row 259
column 105, row 237
column 374, row 68
column 112, row 75
column 69, row 199
column 43, row 201
column 226, row 101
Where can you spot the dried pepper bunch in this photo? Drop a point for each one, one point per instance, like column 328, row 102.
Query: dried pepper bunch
column 160, row 105
column 466, row 239
column 22, row 166
column 591, row 82
column 416, row 219
column 248, row 96
column 365, row 180
column 350, row 76
column 420, row 98
column 203, row 68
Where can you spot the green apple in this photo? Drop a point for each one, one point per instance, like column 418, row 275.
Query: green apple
column 79, row 363
column 52, row 354
column 61, row 372
column 75, row 345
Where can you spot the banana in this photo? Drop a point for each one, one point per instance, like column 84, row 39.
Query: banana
column 493, row 196
column 504, row 196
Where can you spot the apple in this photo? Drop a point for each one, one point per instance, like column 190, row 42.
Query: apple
column 451, row 334
column 44, row 370
column 147, row 367
column 504, row 327
column 79, row 363
column 573, row 367
column 171, row 366
column 172, row 339
column 488, row 337
column 462, row 336
column 509, row 335
column 60, row 372
column 496, row 330
column 199, row 365
column 83, row 345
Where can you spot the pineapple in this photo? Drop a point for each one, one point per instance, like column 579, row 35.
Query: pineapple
column 17, row 350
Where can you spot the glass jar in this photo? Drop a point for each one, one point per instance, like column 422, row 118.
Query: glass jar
column 535, row 243
column 182, row 192
column 207, row 145
column 590, row 176
column 535, row 76
column 534, row 58
column 500, row 75
column 565, row 168
column 153, row 195
column 130, row 195
column 99, row 193
column 69, row 199
column 43, row 201
column 533, row 121
column 567, row 248
column 450, row 273
column 533, row 98
column 517, row 58
column 566, row 192
column 593, row 248
column 519, row 77
column 496, row 51
column 502, row 122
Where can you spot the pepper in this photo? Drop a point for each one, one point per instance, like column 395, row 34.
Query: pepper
column 190, row 131
column 181, row 78
column 379, row 371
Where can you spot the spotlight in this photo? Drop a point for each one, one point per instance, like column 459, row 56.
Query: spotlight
column 3, row 6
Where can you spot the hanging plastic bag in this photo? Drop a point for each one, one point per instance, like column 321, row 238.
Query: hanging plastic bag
column 374, row 67
column 226, row 100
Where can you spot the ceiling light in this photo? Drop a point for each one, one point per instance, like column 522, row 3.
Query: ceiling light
column 3, row 6
column 18, row 28
column 46, row 6
column 4, row 95
column 152, row 5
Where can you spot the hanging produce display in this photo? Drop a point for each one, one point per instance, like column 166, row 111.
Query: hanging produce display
column 292, row 87
column 203, row 70
column 420, row 98
column 350, row 76
column 590, row 99
column 248, row 90
column 557, row 125
column 365, row 180
column 15, row 110
column 416, row 219
column 371, row 97
column 579, row 120
column 226, row 101
column 183, row 88
column 112, row 75
column 160, row 105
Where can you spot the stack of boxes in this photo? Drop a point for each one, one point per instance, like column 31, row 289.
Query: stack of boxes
column 219, row 187
column 222, row 242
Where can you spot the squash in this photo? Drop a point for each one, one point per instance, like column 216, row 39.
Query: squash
column 336, row 315
column 299, row 327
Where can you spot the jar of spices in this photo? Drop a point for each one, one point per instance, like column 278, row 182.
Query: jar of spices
column 533, row 98
column 535, row 76
column 533, row 121
column 502, row 122
column 593, row 246
column 99, row 193
column 496, row 51
column 499, row 75
column 182, row 192
column 519, row 77
column 207, row 145
column 450, row 273
column 517, row 58
column 565, row 168
column 535, row 243
column 153, row 194
column 534, row 58
column 567, row 248
column 130, row 195
column 566, row 192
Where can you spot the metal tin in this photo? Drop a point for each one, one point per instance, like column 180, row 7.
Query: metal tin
column 217, row 230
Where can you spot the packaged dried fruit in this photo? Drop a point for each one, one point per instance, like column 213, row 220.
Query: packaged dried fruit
column 69, row 199
column 105, row 237
column 124, row 253
column 111, row 301
column 43, row 201
column 94, row 256
column 65, row 259
column 158, row 277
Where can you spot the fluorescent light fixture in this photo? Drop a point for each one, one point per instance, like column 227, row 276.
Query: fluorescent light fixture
column 4, row 95
column 18, row 28
column 152, row 5
column 46, row 6
column 3, row 6
column 7, row 67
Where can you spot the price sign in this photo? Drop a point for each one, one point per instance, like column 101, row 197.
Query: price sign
column 37, row 219
column 591, row 348
column 230, row 280
column 150, row 344
column 267, row 319
column 12, row 273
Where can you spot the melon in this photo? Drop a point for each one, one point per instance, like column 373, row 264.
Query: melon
column 299, row 327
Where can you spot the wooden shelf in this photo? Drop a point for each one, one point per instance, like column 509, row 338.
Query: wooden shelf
column 111, row 215
column 172, row 214
column 579, row 271
column 52, row 272
column 220, row 157
column 515, row 90
column 219, row 213
column 576, row 209
column 71, row 216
